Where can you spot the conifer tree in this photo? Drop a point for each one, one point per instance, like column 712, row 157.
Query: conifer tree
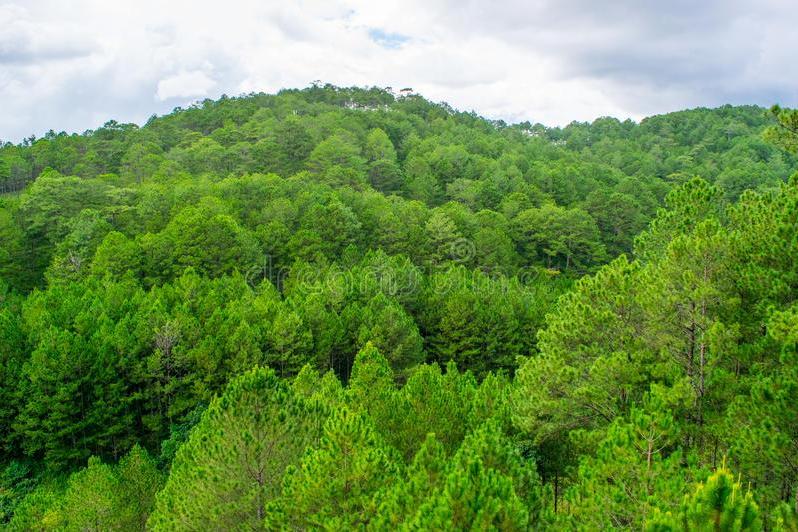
column 400, row 501
column 371, row 386
column 720, row 504
column 92, row 500
column 637, row 468
column 486, row 487
column 334, row 485
column 591, row 363
column 233, row 462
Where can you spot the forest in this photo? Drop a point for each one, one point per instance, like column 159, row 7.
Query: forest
column 337, row 308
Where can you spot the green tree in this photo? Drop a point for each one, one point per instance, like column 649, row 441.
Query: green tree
column 141, row 160
column 559, row 238
column 14, row 254
column 392, row 331
column 443, row 238
column 74, row 253
column 139, row 481
column 379, row 146
column 76, row 401
column 13, row 354
column 295, row 144
column 479, row 491
column 635, row 471
column 432, row 401
column 203, row 238
column 384, row 172
column 334, row 485
column 719, row 504
column 591, row 364
column 92, row 498
column 762, row 425
column 337, row 150
column 111, row 497
column 289, row 343
column 687, row 206
column 785, row 133
column 233, row 462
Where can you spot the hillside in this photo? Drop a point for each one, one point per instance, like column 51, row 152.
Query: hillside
column 335, row 307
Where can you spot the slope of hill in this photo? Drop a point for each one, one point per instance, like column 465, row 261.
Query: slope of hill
column 468, row 321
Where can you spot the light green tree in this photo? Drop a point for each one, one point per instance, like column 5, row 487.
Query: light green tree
column 720, row 504
column 334, row 485
column 232, row 464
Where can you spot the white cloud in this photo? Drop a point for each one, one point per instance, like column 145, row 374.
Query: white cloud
column 23, row 40
column 65, row 65
column 185, row 85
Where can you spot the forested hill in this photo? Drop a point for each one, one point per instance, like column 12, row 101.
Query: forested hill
column 567, row 199
column 337, row 308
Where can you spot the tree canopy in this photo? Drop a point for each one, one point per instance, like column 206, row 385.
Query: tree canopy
column 338, row 308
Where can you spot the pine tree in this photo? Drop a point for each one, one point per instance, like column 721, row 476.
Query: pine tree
column 139, row 481
column 334, row 485
column 12, row 358
column 92, row 500
column 76, row 401
column 289, row 343
column 371, row 384
column 387, row 326
column 384, row 172
column 635, row 470
column 687, row 206
column 325, row 389
column 431, row 402
column 478, row 491
column 762, row 426
column 400, row 501
column 718, row 505
column 785, row 132
column 110, row 497
column 233, row 462
column 591, row 363
column 443, row 237
column 41, row 509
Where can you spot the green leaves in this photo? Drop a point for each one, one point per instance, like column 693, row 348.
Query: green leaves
column 719, row 504
column 337, row 153
column 97, row 497
column 389, row 233
column 592, row 363
column 697, row 321
column 566, row 239
column 634, row 471
column 333, row 486
column 687, row 205
column 485, row 485
column 785, row 133
column 233, row 462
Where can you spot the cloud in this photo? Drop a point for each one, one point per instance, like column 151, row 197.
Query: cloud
column 74, row 66
column 184, row 85
column 22, row 41
column 649, row 53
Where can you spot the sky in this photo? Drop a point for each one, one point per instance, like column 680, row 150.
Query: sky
column 74, row 65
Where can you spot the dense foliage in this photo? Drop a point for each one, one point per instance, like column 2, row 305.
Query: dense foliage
column 333, row 308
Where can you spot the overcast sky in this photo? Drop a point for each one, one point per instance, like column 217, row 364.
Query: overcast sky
column 74, row 65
